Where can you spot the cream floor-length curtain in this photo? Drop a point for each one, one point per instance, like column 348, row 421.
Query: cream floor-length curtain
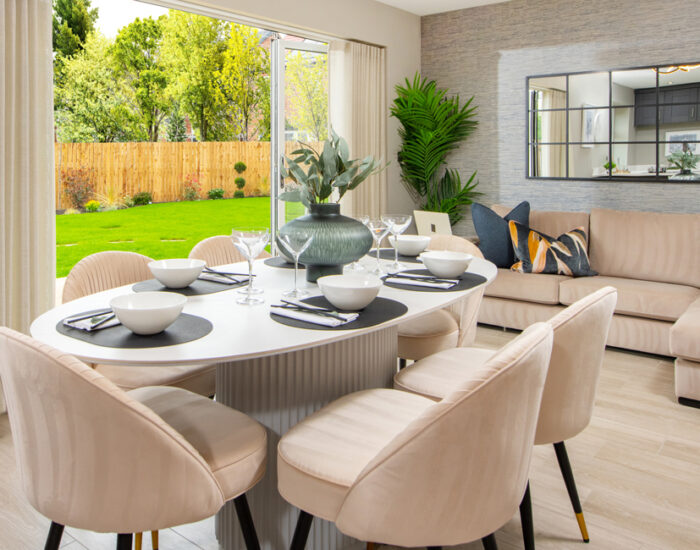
column 358, row 112
column 27, row 211
column 553, row 157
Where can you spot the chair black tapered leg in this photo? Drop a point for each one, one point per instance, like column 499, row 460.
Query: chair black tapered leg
column 565, row 467
column 53, row 541
column 246, row 520
column 124, row 541
column 489, row 542
column 402, row 363
column 526, row 520
column 301, row 532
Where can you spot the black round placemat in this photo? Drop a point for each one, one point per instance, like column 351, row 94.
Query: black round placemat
column 198, row 288
column 466, row 281
column 281, row 261
column 388, row 254
column 379, row 311
column 185, row 329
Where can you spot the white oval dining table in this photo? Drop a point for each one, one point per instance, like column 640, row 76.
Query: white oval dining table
column 275, row 373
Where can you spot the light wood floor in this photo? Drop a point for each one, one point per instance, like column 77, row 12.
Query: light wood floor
column 637, row 467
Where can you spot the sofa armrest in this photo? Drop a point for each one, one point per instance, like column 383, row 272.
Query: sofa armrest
column 684, row 339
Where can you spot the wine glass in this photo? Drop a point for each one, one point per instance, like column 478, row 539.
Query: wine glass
column 356, row 265
column 250, row 242
column 379, row 230
column 397, row 224
column 296, row 244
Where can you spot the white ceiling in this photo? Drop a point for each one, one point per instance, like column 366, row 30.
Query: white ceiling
column 427, row 7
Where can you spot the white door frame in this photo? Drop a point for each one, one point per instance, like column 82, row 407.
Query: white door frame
column 278, row 50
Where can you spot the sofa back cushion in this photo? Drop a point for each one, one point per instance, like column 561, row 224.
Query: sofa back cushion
column 550, row 223
column 646, row 245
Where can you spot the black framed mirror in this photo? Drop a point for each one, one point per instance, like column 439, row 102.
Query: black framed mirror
column 638, row 124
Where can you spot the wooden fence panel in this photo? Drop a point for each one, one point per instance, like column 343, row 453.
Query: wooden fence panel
column 120, row 169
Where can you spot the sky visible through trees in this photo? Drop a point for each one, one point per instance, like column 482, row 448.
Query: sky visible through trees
column 175, row 77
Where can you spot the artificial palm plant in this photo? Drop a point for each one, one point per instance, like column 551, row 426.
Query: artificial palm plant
column 432, row 125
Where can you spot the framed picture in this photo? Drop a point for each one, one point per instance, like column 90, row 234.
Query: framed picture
column 587, row 126
column 677, row 139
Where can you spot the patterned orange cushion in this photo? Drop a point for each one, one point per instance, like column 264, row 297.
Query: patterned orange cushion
column 539, row 253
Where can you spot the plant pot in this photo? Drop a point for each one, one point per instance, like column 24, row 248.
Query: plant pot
column 685, row 175
column 337, row 240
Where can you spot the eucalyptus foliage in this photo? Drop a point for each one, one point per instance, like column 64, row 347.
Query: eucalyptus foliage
column 683, row 160
column 433, row 125
column 318, row 175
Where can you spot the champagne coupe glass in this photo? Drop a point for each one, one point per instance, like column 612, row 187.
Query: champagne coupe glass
column 295, row 244
column 250, row 242
column 379, row 230
column 356, row 265
column 397, row 224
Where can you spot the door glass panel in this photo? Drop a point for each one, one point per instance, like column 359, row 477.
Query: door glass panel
column 299, row 113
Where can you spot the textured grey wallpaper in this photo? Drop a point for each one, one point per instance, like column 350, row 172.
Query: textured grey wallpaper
column 488, row 52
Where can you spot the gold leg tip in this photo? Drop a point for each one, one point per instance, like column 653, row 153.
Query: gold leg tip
column 582, row 527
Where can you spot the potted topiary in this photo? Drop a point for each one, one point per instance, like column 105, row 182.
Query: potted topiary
column 320, row 179
column 239, row 167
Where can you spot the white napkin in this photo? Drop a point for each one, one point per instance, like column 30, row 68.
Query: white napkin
column 87, row 324
column 217, row 278
column 428, row 283
column 309, row 317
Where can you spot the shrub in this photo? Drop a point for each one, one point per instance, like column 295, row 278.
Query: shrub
column 240, row 167
column 142, row 198
column 191, row 189
column 128, row 201
column 111, row 200
column 238, row 194
column 69, row 211
column 217, row 193
column 240, row 182
column 92, row 206
column 77, row 185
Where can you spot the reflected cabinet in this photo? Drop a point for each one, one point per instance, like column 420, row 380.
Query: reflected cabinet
column 640, row 124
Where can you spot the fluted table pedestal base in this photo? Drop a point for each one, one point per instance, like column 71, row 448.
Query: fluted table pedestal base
column 279, row 391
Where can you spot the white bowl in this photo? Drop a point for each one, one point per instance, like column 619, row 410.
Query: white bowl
column 350, row 292
column 445, row 263
column 410, row 245
column 177, row 273
column 148, row 312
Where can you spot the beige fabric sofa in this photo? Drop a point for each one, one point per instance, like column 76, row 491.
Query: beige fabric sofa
column 652, row 259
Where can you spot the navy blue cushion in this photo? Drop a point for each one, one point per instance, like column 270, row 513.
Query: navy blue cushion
column 494, row 238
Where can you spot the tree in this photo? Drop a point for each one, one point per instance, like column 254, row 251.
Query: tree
column 176, row 130
column 244, row 85
column 306, row 77
column 137, row 55
column 193, row 48
column 73, row 20
column 93, row 102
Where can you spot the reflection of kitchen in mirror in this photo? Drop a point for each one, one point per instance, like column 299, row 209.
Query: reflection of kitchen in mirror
column 617, row 124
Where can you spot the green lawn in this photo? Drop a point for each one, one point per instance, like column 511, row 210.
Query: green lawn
column 167, row 230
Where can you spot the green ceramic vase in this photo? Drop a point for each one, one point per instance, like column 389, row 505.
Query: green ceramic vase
column 338, row 240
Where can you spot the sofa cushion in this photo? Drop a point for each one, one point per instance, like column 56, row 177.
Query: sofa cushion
column 492, row 229
column 650, row 299
column 539, row 253
column 528, row 287
column 551, row 223
column 685, row 334
column 646, row 245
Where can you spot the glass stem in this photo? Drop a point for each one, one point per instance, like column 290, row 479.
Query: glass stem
column 378, row 243
column 396, row 249
column 296, row 267
column 250, row 276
